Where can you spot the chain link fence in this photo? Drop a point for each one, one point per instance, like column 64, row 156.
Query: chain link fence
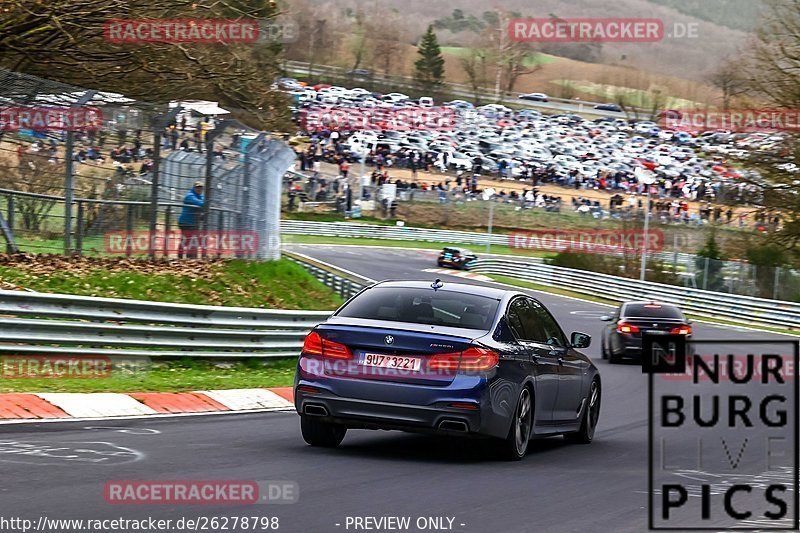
column 91, row 172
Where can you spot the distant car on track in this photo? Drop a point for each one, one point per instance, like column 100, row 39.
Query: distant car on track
column 456, row 258
column 623, row 336
column 534, row 97
column 608, row 107
column 446, row 358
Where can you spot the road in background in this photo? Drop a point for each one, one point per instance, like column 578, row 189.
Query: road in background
column 558, row 487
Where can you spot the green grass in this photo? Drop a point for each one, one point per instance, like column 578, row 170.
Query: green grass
column 552, row 290
column 535, row 59
column 631, row 97
column 172, row 376
column 278, row 285
column 477, row 248
column 275, row 284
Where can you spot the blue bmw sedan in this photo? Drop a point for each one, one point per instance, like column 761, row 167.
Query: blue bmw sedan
column 448, row 358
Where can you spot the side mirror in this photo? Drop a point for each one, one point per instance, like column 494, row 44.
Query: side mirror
column 580, row 340
column 605, row 318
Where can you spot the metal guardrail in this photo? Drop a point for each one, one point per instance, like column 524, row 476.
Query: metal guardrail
column 554, row 103
column 345, row 284
column 404, row 233
column 743, row 309
column 66, row 324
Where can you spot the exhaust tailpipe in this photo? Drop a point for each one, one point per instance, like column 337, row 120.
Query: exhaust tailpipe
column 315, row 410
column 454, row 425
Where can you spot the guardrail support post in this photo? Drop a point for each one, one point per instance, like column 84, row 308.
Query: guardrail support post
column 167, row 229
column 79, row 230
column 129, row 231
column 10, row 248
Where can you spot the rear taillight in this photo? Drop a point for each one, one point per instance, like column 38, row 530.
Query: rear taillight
column 313, row 344
column 624, row 327
column 316, row 345
column 444, row 361
column 472, row 359
column 478, row 359
column 686, row 329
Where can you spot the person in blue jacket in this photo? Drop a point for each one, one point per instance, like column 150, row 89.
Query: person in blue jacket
column 189, row 221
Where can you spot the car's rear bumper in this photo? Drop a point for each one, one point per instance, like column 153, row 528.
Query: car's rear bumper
column 417, row 408
column 370, row 414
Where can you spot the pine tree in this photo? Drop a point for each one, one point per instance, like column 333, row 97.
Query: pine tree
column 430, row 65
column 708, row 263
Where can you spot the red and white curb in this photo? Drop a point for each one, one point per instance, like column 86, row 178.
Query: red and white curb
column 67, row 405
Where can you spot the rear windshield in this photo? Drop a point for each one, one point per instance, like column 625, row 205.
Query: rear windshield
column 423, row 306
column 652, row 311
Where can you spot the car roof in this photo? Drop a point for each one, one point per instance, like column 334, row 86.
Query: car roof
column 480, row 290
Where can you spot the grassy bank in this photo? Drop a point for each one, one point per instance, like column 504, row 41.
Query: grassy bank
column 169, row 376
column 276, row 284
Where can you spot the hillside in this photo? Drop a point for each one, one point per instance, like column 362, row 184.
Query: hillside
column 721, row 26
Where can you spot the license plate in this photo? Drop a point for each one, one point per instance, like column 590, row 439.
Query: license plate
column 655, row 332
column 392, row 361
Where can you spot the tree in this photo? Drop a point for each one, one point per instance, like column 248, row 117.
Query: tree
column 708, row 264
column 384, row 34
column 430, row 65
column 771, row 70
column 474, row 65
column 358, row 42
column 512, row 59
column 64, row 40
column 728, row 79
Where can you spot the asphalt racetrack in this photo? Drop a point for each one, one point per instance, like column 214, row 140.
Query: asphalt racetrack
column 591, row 488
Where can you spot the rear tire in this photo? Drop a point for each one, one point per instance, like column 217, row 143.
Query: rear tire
column 613, row 358
column 603, row 350
column 589, row 420
column 319, row 433
column 515, row 445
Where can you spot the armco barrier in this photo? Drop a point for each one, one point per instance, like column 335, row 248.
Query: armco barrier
column 743, row 309
column 345, row 284
column 46, row 324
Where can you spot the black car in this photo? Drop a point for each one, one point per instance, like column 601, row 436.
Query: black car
column 609, row 107
column 359, row 73
column 456, row 258
column 623, row 336
column 446, row 358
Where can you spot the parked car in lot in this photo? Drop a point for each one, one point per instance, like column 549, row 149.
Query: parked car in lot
column 534, row 97
column 622, row 338
column 456, row 258
column 447, row 358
